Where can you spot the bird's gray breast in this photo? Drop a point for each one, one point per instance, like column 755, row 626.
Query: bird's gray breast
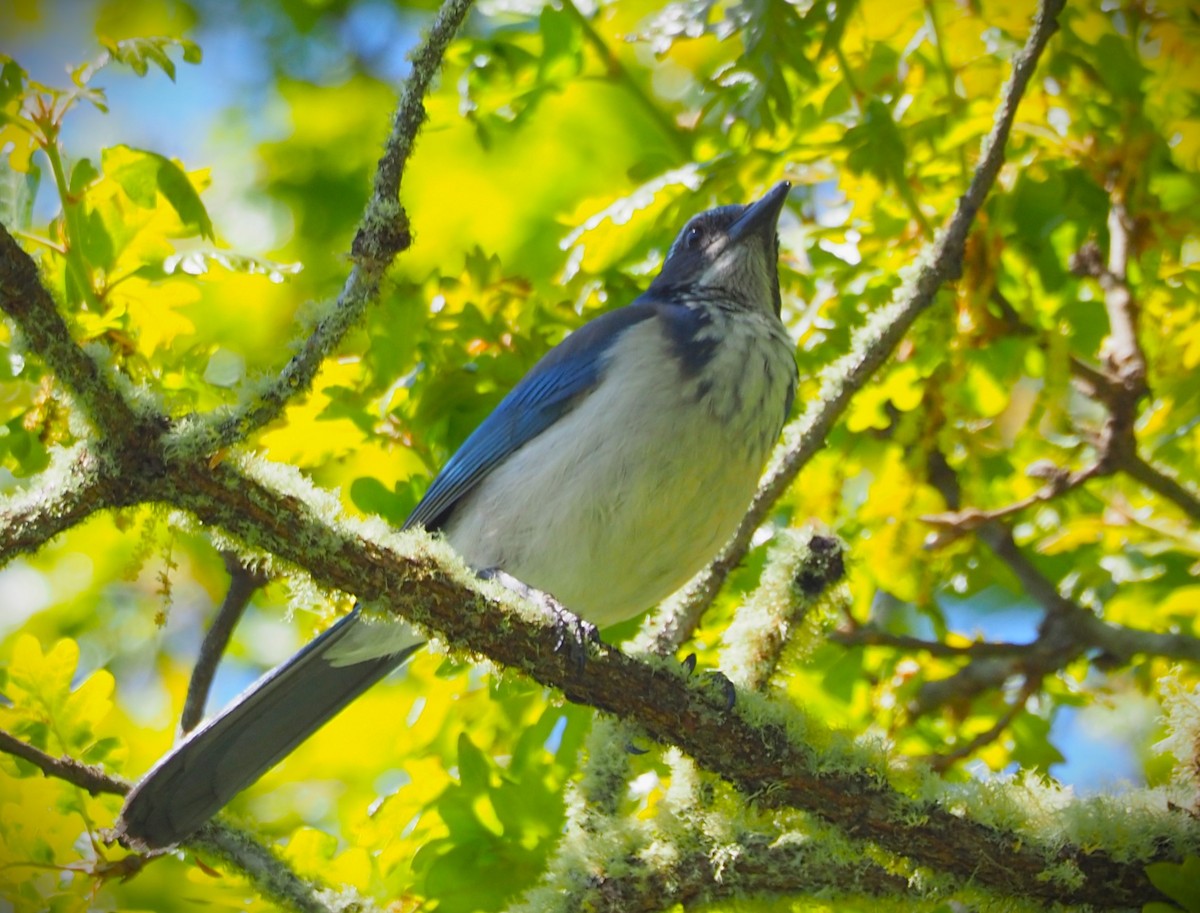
column 623, row 499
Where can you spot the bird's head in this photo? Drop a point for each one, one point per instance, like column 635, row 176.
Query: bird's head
column 730, row 253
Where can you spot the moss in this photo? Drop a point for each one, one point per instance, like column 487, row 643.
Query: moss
column 1182, row 706
column 799, row 590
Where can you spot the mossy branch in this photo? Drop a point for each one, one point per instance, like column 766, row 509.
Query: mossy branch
column 763, row 749
column 69, row 491
column 803, row 573
column 25, row 300
column 383, row 233
column 269, row 874
column 755, row 865
column 874, row 344
column 759, row 747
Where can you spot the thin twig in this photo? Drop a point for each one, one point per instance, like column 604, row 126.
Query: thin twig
column 875, row 343
column 25, row 300
column 86, row 776
column 243, row 582
column 1136, row 467
column 870, row 636
column 960, row 522
column 943, row 762
column 270, row 875
column 383, row 233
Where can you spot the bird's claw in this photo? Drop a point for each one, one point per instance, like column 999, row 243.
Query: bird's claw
column 717, row 678
column 721, row 682
column 572, row 634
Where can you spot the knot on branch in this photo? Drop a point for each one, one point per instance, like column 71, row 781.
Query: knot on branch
column 824, row 565
column 384, row 233
column 1088, row 261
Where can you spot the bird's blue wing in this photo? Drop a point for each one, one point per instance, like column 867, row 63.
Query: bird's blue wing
column 550, row 390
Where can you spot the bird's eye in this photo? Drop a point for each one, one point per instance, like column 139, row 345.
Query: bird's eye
column 692, row 239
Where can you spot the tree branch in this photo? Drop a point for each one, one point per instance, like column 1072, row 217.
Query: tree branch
column 802, row 571
column 757, row 866
column 1136, row 467
column 374, row 243
column 243, row 582
column 942, row 262
column 954, row 524
column 62, row 496
column 269, row 874
column 757, row 746
column 1068, row 629
column 943, row 762
column 754, row 749
column 86, row 776
column 1119, row 445
column 1124, row 355
column 382, row 234
column 871, row 636
column 273, row 878
column 24, row 299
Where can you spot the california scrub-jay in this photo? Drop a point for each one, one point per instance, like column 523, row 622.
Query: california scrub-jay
column 607, row 477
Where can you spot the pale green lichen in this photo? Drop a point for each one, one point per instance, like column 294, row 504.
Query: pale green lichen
column 798, row 592
column 1182, row 718
column 348, row 899
column 607, row 768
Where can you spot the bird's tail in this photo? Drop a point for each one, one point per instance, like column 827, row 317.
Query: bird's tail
column 274, row 715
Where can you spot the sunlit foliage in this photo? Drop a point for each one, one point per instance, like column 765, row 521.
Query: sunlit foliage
column 565, row 144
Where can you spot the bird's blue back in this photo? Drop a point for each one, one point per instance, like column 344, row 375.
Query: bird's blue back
column 543, row 396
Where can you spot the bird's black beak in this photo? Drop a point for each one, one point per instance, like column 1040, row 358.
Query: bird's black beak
column 760, row 217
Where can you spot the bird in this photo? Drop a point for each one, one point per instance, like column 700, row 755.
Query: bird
column 607, row 477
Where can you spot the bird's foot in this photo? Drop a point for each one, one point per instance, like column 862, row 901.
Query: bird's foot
column 573, row 634
column 717, row 679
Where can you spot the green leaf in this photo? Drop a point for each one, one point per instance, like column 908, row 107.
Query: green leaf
column 44, row 709
column 1178, row 192
column 199, row 262
column 1032, row 747
column 1179, row 882
column 1121, row 71
column 225, row 368
column 143, row 175
column 183, row 198
column 561, row 44
column 82, row 175
column 100, row 750
column 12, row 81
column 25, row 447
column 372, row 497
column 17, row 192
column 473, row 766
column 97, row 245
column 876, row 146
column 839, row 12
column 135, row 171
column 139, row 53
